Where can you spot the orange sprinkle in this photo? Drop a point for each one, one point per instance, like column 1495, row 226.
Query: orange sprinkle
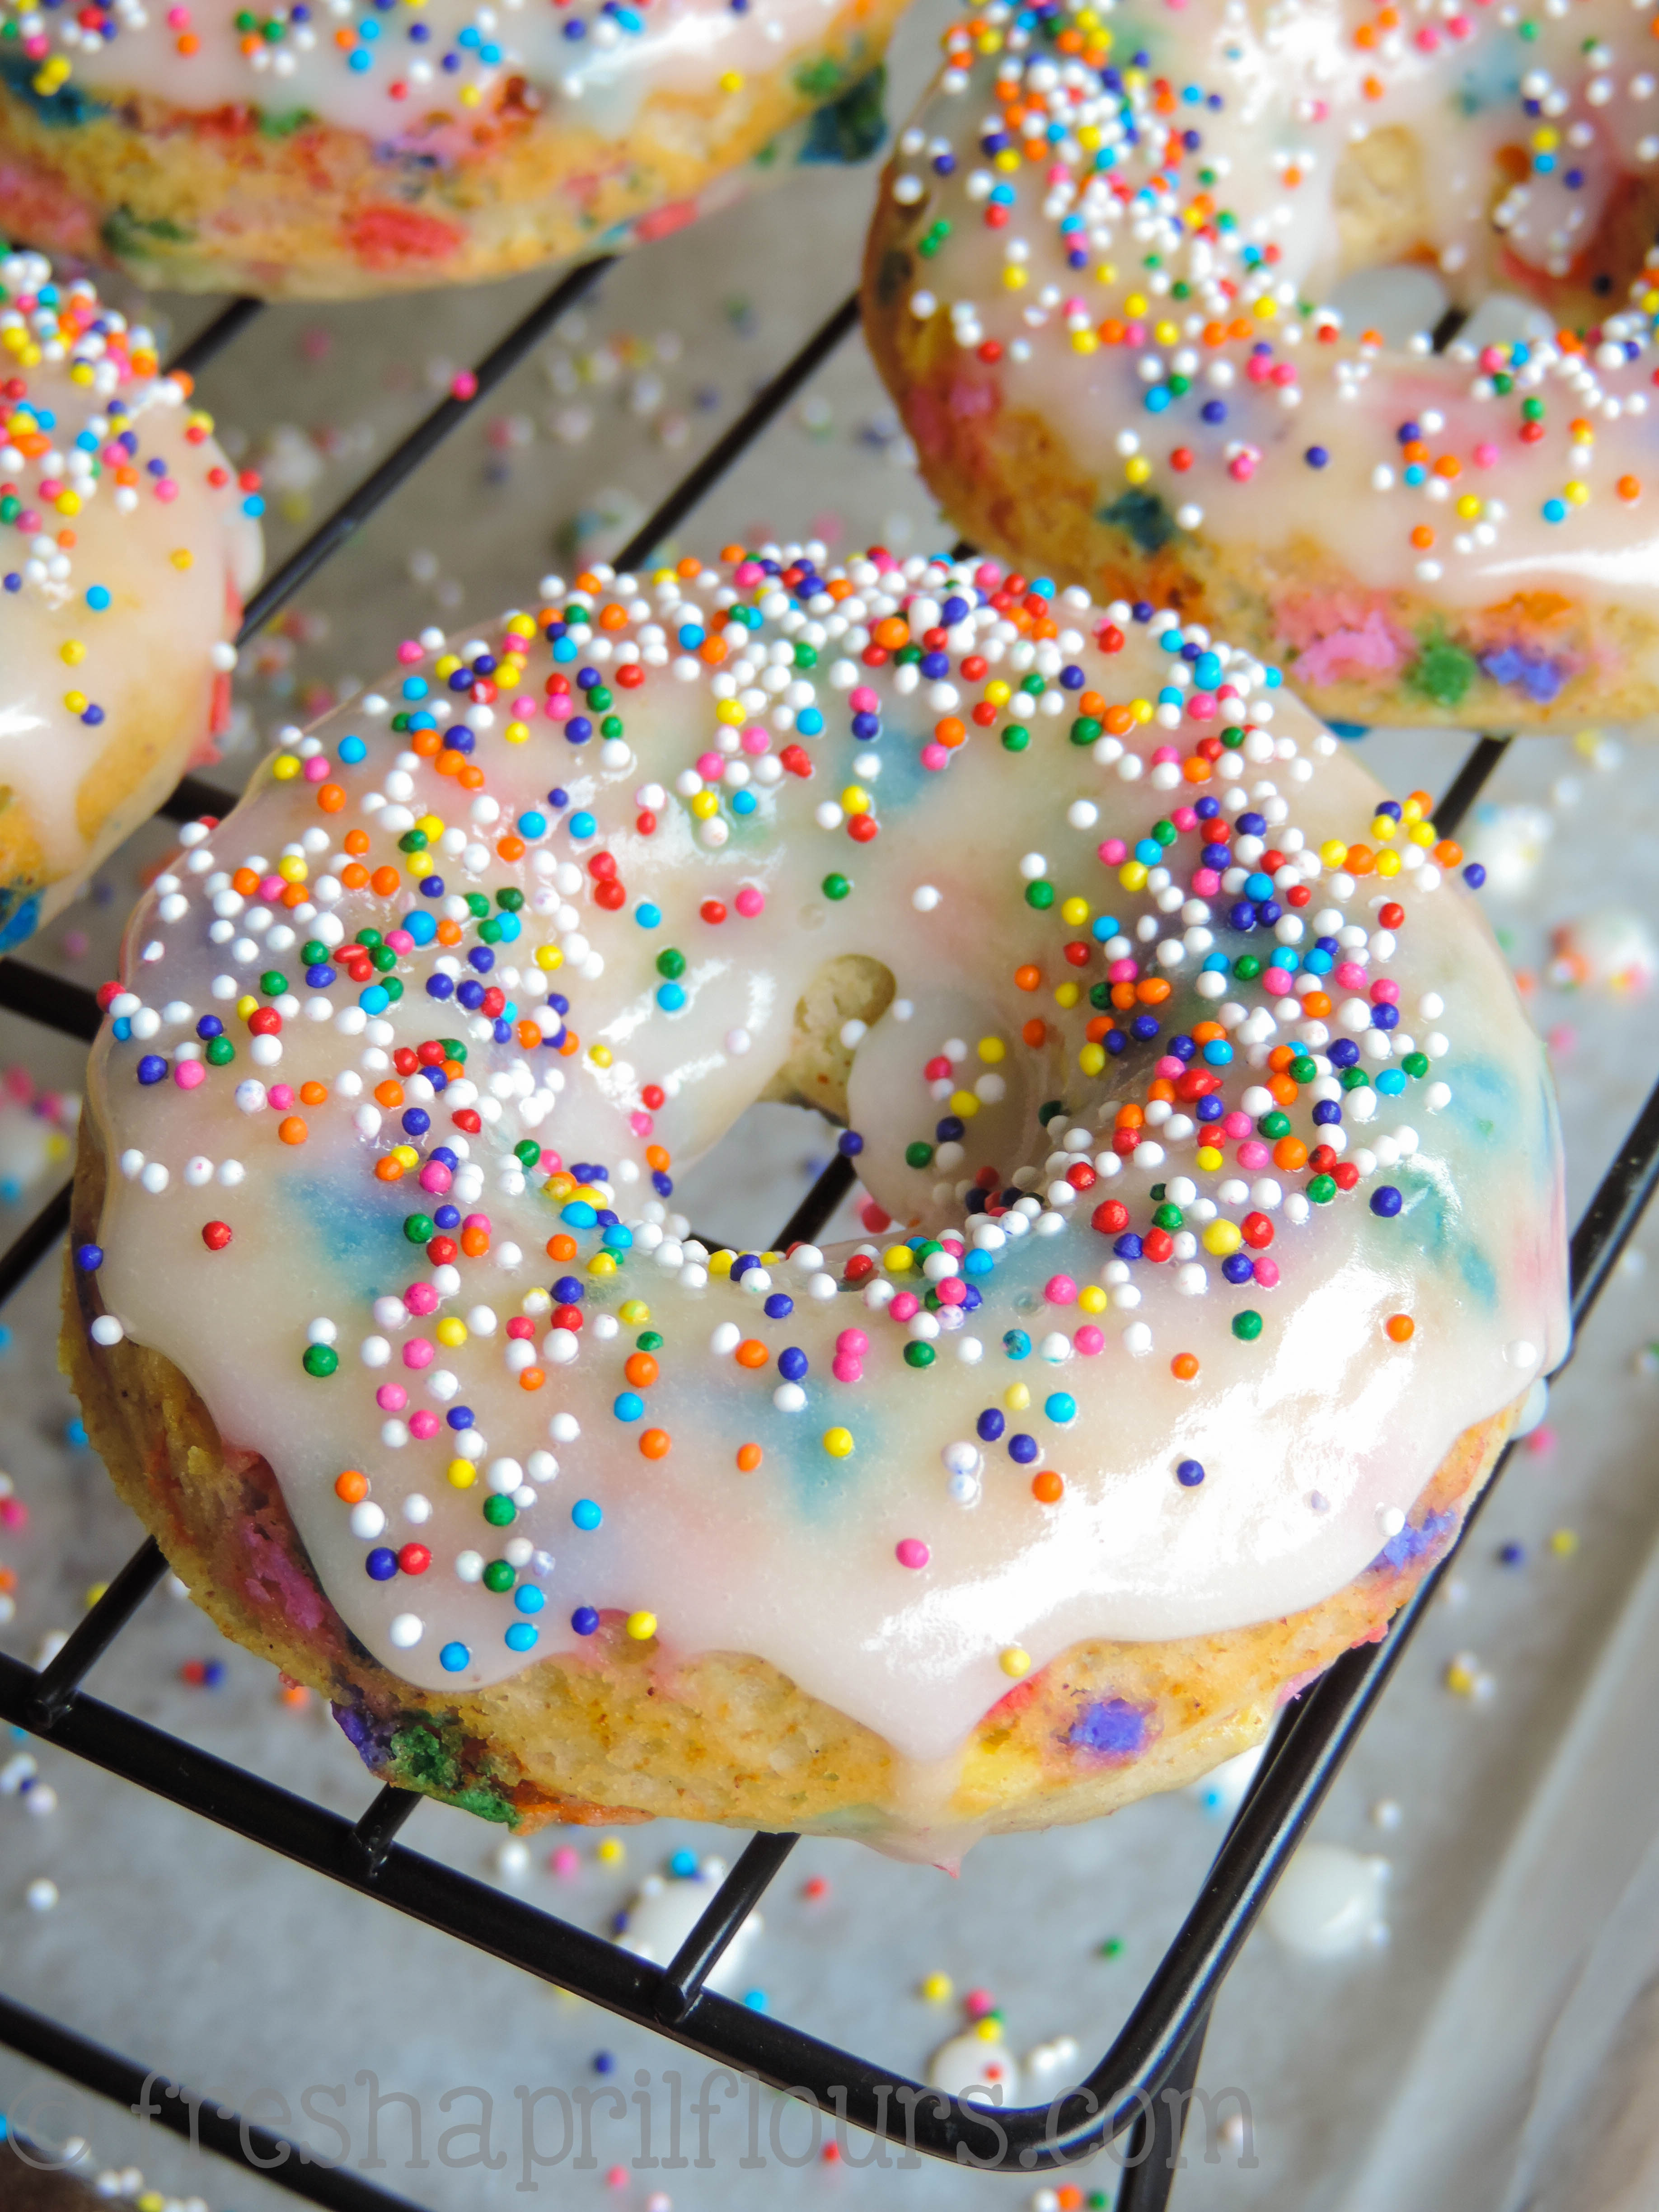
column 244, row 881
column 292, row 1130
column 449, row 933
column 613, row 617
column 1316, row 1006
column 1448, row 853
column 1184, row 1367
column 1629, row 488
column 1399, row 1328
column 655, row 1444
column 313, row 1094
column 1289, row 1153
column 426, row 742
column 950, row 733
column 388, row 1170
column 749, row 1458
column 511, row 847
column 389, row 1094
column 531, row 1378
column 1047, row 1488
column 640, row 1370
column 352, row 1486
column 331, row 797
column 1027, row 978
column 384, row 882
column 561, row 1246
column 356, row 840
column 475, row 1242
column 752, row 1352
column 892, row 631
column 354, row 876
column 1360, row 862
column 1035, row 1032
column 1423, row 536
column 657, row 1157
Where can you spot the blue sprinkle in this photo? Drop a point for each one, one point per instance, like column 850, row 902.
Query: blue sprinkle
column 585, row 1620
column 1189, row 1474
column 1386, row 1202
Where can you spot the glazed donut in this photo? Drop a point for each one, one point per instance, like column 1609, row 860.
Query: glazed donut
column 126, row 545
column 1105, row 284
column 1220, row 1262
column 328, row 151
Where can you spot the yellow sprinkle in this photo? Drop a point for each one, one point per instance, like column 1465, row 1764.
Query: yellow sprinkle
column 856, row 799
column 732, row 81
column 703, row 804
column 1564, row 1543
column 728, row 711
column 1074, row 912
column 292, row 868
column 69, row 503
column 1468, row 508
column 719, row 1263
column 611, row 1851
column 1382, row 827
column 549, row 957
column 285, row 767
column 451, row 1330
column 1015, row 1661
column 1388, row 864
column 1223, row 1238
column 1333, row 852
column 462, row 1473
column 1460, row 1677
column 635, row 1312
column 1017, row 1397
column 838, row 1442
column 94, row 1591
column 247, row 1004
column 182, row 558
column 73, row 651
column 601, row 1263
column 1013, row 276
column 470, row 95
column 1092, row 1058
column 1084, row 341
column 1137, row 469
column 1576, row 493
column 1264, row 311
column 936, row 1988
column 1092, row 1300
column 988, row 2030
column 1141, row 710
column 641, row 1626
column 521, row 626
column 1133, row 875
column 998, row 693
column 898, row 1259
column 991, row 1050
column 1209, row 1159
column 76, row 701
column 1107, row 272
column 405, row 1155
column 1135, row 303
column 964, row 1104
column 599, row 1055
column 1165, row 333
column 446, row 665
column 1421, row 833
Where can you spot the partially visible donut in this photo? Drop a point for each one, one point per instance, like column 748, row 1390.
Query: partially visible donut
column 1224, row 1283
column 1102, row 284
column 426, row 142
column 127, row 544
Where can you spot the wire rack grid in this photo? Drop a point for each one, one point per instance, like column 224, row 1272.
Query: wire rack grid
column 1142, row 2086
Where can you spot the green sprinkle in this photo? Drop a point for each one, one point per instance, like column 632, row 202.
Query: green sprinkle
column 273, row 983
column 1416, row 1063
column 1016, row 737
column 671, row 962
column 320, row 1360
column 919, row 1355
column 918, row 1156
column 497, row 1575
column 1247, row 1326
column 500, row 1512
column 1322, row 1189
column 1274, row 1125
column 419, row 1228
column 1303, row 1070
column 220, row 1052
column 527, row 1152
column 1041, row 894
column 649, row 1340
column 836, row 887
column 1112, row 1948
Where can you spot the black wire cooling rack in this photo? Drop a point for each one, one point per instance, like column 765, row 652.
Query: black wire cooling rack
column 1143, row 2084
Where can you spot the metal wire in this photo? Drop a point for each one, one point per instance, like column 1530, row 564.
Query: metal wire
column 1141, row 2084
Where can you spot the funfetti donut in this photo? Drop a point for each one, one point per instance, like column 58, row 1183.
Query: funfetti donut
column 1222, row 1160
column 323, row 150
column 127, row 544
column 1104, row 285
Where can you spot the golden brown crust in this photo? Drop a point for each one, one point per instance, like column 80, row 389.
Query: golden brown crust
column 623, row 1732
column 1010, row 483
column 300, row 208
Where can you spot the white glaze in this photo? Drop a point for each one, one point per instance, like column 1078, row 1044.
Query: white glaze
column 406, row 96
column 1329, row 1903
column 1316, row 1439
column 665, row 1909
column 153, row 658
column 1291, row 81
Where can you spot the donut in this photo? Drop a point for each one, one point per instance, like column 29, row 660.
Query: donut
column 310, row 154
column 1120, row 282
column 127, row 544
column 1216, row 1265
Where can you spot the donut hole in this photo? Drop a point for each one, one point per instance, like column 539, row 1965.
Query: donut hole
column 743, row 1192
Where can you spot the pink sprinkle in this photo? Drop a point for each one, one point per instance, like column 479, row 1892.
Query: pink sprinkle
column 478, row 1221
column 272, row 887
column 464, row 384
column 755, row 740
column 400, row 940
column 435, row 1177
column 316, row 768
column 566, row 1861
column 14, row 1514
column 1236, row 1125
column 391, row 1397
column 1542, row 1441
column 615, row 2177
column 641, row 1124
column 1385, row 992
column 749, row 901
column 1265, row 1272
column 423, row 1424
column 1135, row 334
column 560, row 707
column 281, row 1097
column 1282, row 373
column 1123, row 971
column 747, row 573
column 1184, row 819
column 1060, row 1290
column 853, row 1341
column 710, row 766
column 863, row 701
column 906, row 1306
column 1492, row 359
column 420, row 1298
column 952, row 1292
column 1276, row 982
column 1089, row 1340
column 419, row 1352
column 935, row 757
column 410, row 652
column 988, row 575
column 188, row 1074
column 521, row 1328
column 1200, row 708
column 911, row 1552
column 1254, row 1153
column 1351, row 977
column 1114, row 852
column 1169, row 1068
column 166, row 491
column 1164, row 754
column 551, row 1163
column 1241, row 467
column 1487, row 455
column 1205, row 883
column 523, row 708
column 978, row 2003
column 846, row 1369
